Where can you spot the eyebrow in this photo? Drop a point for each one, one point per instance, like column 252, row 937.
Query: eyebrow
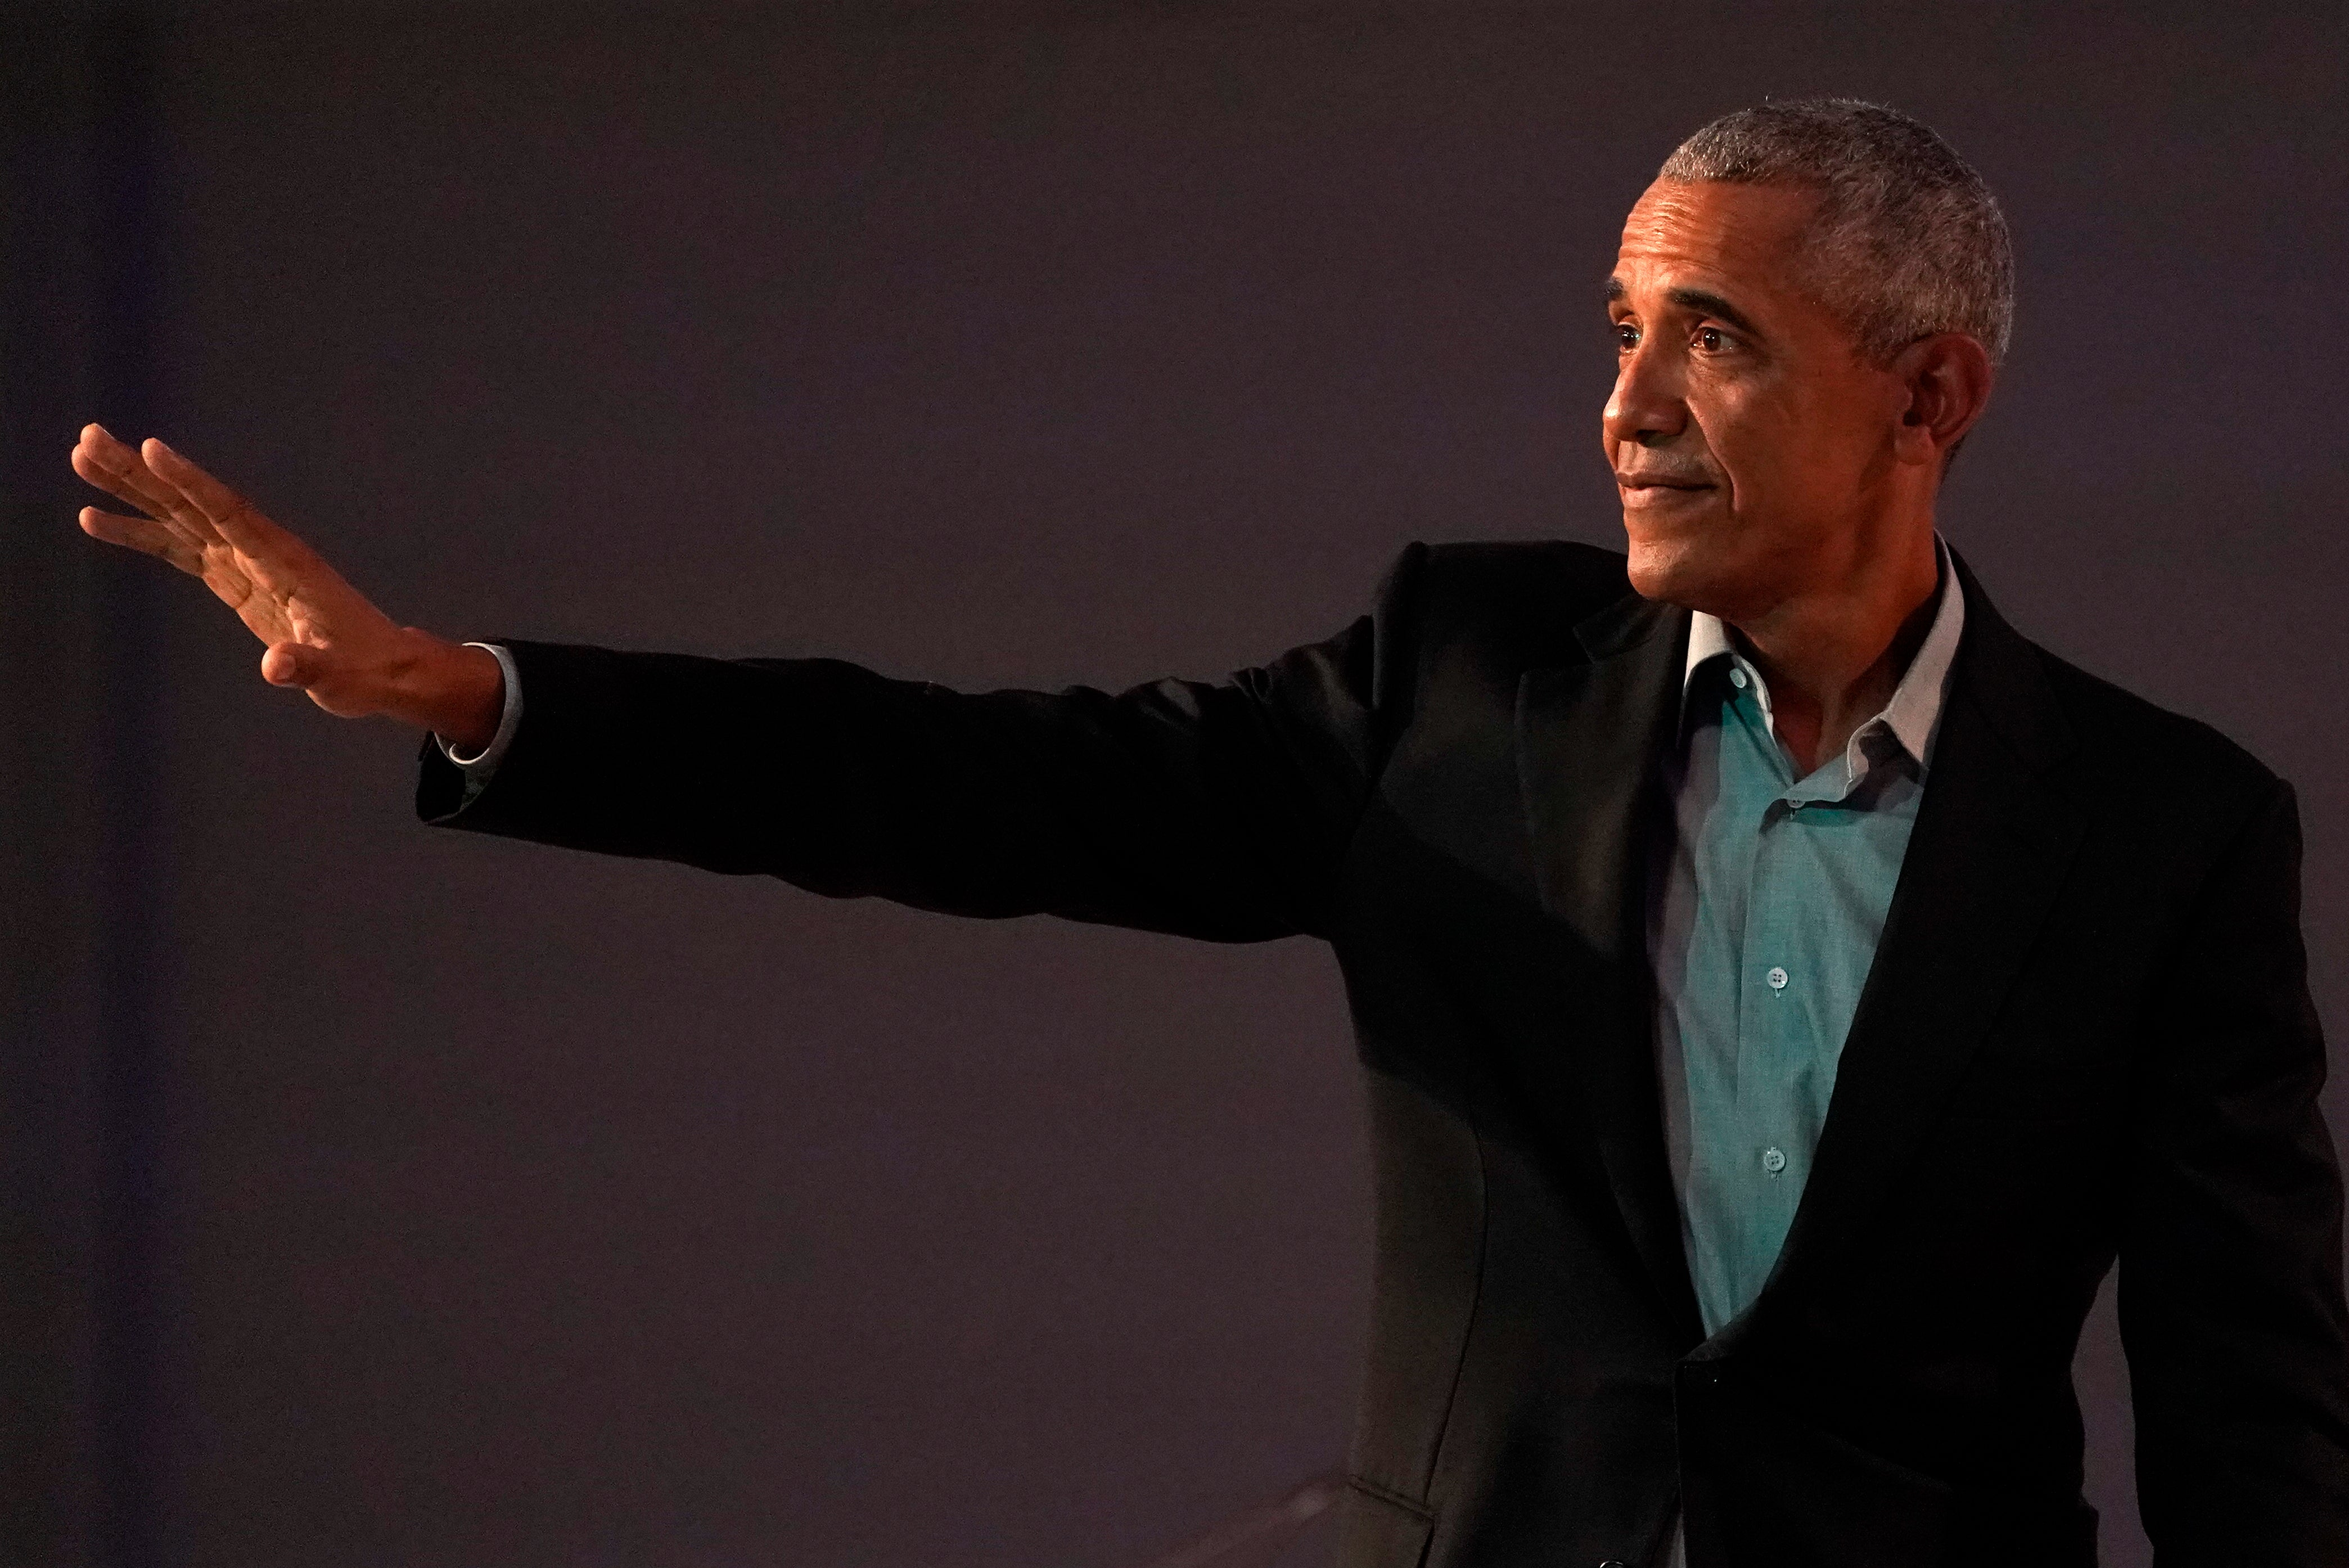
column 1703, row 302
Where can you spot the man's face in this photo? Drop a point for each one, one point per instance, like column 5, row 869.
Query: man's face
column 1751, row 441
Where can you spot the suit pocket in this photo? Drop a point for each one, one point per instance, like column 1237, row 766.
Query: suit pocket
column 1779, row 1493
column 1377, row 1529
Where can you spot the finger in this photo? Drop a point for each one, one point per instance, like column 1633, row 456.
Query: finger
column 237, row 519
column 322, row 672
column 295, row 664
column 143, row 535
column 121, row 473
column 111, row 466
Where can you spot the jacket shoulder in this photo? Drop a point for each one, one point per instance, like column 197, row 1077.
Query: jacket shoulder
column 1519, row 599
column 2133, row 736
column 1550, row 574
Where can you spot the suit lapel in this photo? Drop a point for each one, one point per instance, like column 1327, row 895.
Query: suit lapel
column 1589, row 737
column 1992, row 843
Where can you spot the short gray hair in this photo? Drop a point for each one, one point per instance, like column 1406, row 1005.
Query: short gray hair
column 1908, row 240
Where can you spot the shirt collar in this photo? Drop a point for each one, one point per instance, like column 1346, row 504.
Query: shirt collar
column 1915, row 706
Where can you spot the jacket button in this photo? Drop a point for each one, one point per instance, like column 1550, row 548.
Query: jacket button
column 1612, row 1562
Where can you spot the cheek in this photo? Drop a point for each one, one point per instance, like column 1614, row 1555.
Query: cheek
column 1745, row 437
column 1779, row 450
column 1839, row 424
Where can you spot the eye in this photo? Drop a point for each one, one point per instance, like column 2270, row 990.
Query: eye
column 1627, row 337
column 1710, row 338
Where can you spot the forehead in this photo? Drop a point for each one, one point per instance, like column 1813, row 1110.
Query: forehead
column 1743, row 240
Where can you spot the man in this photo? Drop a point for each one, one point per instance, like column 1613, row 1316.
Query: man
column 1784, row 989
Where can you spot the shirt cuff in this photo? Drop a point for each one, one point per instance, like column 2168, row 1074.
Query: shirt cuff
column 478, row 768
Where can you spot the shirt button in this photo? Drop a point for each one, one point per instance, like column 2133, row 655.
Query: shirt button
column 1776, row 977
column 1774, row 1160
column 1737, row 678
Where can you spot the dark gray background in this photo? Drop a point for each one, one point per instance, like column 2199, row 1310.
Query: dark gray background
column 383, row 1196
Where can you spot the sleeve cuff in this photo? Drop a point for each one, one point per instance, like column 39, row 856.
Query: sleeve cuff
column 478, row 768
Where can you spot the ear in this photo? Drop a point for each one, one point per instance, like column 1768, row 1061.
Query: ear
column 1947, row 377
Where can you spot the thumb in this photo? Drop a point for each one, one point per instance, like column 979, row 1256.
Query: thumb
column 295, row 664
column 333, row 679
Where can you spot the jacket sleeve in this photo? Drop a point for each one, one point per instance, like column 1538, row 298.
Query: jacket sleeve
column 2230, row 1267
column 1216, row 810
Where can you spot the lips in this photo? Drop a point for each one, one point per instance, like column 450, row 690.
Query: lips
column 1660, row 481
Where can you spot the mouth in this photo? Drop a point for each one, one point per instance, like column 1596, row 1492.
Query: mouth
column 1658, row 489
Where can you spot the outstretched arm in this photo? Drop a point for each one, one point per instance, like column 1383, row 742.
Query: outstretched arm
column 1221, row 810
column 320, row 633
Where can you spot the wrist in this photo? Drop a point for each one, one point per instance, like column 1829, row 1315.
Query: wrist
column 456, row 691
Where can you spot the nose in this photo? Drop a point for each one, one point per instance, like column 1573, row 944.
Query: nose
column 1647, row 408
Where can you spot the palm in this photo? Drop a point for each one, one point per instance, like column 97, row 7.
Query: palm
column 283, row 595
column 279, row 587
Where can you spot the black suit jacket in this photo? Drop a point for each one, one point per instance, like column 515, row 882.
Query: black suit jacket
column 2087, row 1033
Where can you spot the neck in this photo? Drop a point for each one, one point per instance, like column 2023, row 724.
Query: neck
column 1832, row 656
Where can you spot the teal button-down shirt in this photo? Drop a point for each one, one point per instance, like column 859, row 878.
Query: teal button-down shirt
column 1763, row 921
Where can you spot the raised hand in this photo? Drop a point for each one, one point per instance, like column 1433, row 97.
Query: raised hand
column 321, row 634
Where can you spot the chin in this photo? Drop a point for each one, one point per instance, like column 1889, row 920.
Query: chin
column 1692, row 562
column 1671, row 570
